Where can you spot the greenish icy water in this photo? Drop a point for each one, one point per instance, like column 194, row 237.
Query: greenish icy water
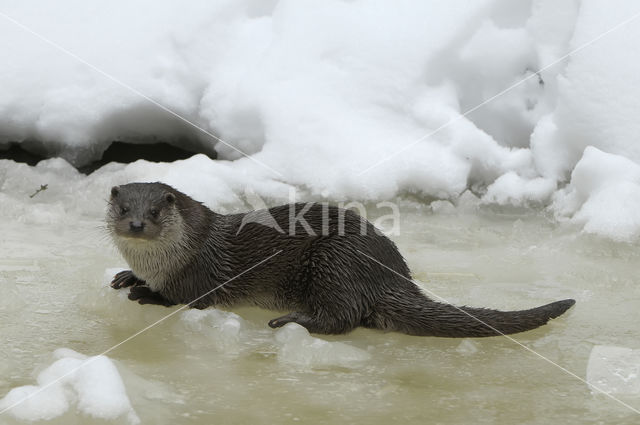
column 53, row 295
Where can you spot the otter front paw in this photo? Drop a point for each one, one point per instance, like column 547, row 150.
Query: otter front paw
column 144, row 295
column 125, row 279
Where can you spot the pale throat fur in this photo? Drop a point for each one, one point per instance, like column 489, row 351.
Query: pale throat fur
column 156, row 260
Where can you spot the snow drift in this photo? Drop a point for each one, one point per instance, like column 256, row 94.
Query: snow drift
column 346, row 99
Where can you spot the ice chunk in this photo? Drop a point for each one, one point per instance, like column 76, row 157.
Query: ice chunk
column 614, row 370
column 443, row 207
column 296, row 346
column 33, row 403
column 220, row 328
column 467, row 347
column 93, row 384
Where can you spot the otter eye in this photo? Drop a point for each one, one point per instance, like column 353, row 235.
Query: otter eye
column 154, row 213
column 124, row 210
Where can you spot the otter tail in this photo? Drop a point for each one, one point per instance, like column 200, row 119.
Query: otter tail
column 423, row 317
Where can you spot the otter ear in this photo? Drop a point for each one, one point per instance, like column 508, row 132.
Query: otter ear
column 170, row 198
column 115, row 190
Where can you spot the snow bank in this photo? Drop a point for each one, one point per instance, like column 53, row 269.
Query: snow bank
column 91, row 384
column 592, row 133
column 604, row 195
column 614, row 370
column 597, row 104
column 348, row 100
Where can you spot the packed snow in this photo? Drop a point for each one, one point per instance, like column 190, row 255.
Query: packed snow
column 91, row 384
column 348, row 100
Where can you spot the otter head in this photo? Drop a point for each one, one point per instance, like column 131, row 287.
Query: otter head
column 139, row 211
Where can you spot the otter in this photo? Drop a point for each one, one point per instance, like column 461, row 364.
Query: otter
column 330, row 269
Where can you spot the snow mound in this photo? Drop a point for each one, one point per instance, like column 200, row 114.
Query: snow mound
column 428, row 98
column 297, row 347
column 273, row 82
column 597, row 101
column 603, row 196
column 510, row 188
column 467, row 347
column 614, row 370
column 92, row 384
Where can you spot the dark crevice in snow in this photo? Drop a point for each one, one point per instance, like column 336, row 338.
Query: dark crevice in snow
column 129, row 152
column 117, row 151
column 17, row 153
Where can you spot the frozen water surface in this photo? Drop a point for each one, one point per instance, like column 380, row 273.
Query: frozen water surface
column 615, row 369
column 212, row 365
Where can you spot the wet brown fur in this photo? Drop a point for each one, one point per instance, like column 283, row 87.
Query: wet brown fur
column 325, row 274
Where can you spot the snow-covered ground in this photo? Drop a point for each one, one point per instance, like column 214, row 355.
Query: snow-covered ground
column 349, row 99
column 505, row 130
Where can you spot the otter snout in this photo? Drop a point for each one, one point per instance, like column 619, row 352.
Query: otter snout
column 136, row 226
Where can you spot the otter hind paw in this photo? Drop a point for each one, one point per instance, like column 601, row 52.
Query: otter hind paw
column 300, row 318
column 315, row 324
column 125, row 279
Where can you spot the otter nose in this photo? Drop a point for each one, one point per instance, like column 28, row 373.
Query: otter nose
column 136, row 226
